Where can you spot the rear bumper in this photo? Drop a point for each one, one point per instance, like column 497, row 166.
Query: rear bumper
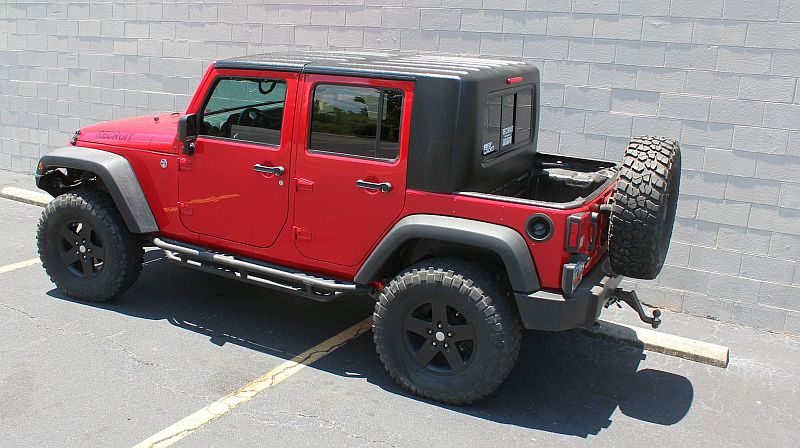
column 543, row 310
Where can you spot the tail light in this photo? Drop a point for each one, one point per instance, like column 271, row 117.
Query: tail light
column 576, row 239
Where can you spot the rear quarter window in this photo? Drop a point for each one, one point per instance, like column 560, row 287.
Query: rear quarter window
column 507, row 118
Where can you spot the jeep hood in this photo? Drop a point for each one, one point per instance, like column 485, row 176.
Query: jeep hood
column 150, row 132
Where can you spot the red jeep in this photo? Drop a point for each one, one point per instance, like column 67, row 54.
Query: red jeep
column 414, row 177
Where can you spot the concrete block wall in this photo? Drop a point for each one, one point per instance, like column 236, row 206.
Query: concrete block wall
column 719, row 75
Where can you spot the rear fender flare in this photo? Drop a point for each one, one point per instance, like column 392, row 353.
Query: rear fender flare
column 117, row 175
column 507, row 243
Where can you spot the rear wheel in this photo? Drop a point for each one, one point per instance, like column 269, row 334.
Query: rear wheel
column 85, row 247
column 447, row 330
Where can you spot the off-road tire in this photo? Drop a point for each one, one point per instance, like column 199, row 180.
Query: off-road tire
column 483, row 301
column 643, row 212
column 122, row 251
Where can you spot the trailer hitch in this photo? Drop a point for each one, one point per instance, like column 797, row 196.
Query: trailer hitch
column 630, row 297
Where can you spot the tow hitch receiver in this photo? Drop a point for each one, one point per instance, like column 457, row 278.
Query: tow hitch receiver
column 632, row 300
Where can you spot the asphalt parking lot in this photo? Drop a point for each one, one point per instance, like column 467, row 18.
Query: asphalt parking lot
column 80, row 374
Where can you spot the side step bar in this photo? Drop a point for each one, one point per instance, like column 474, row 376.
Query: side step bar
column 257, row 272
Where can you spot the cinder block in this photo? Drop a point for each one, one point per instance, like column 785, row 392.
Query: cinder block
column 299, row 15
column 792, row 325
column 618, row 27
column 743, row 239
column 687, row 107
column 478, row 20
column 713, row 84
column 609, row 124
column 612, row 75
column 650, row 54
column 591, row 50
column 569, row 25
column 785, row 116
column 659, row 29
column 689, row 56
column 784, row 220
column 588, row 98
column 774, row 35
column 549, row 5
column 328, row 15
column 748, row 189
column 789, row 11
column 502, row 45
column 379, row 38
column 758, row 316
column 685, row 279
column 711, row 9
column 315, row 36
column 546, row 47
column 548, row 141
column 635, row 102
column 524, row 22
column 715, row 260
column 741, row 60
column 741, row 112
column 789, row 196
column 703, row 184
column 778, row 168
column 767, row 269
column 704, row 305
column 751, row 9
column 707, row 134
column 694, row 232
column 723, row 211
column 735, row 163
column 366, row 16
column 596, row 6
column 658, row 126
column 767, row 88
column 354, row 37
column 761, row 140
column 506, row 5
column 581, row 145
column 786, row 247
column 565, row 72
column 199, row 12
column 440, row 19
column 552, row 94
column 644, row 7
column 731, row 287
column 678, row 254
column 719, row 32
column 460, row 42
column 560, row 119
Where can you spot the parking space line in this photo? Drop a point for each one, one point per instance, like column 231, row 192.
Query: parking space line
column 226, row 404
column 20, row 265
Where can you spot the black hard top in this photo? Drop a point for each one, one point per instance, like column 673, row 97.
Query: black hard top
column 377, row 64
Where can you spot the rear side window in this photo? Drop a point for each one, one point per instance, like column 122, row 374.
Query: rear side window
column 507, row 118
column 245, row 109
column 356, row 121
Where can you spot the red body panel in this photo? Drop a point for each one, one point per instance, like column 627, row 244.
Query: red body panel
column 317, row 220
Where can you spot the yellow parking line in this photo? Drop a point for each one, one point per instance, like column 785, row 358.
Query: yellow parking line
column 226, row 404
column 20, row 265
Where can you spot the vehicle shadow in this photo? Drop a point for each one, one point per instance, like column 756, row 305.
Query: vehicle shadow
column 565, row 383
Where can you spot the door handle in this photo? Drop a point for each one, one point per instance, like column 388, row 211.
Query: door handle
column 383, row 187
column 276, row 170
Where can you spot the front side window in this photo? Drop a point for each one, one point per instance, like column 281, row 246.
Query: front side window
column 507, row 121
column 245, row 109
column 356, row 121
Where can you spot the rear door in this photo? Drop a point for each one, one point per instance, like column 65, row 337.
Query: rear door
column 235, row 187
column 350, row 173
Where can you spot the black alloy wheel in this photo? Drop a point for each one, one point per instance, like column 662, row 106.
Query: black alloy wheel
column 439, row 338
column 82, row 249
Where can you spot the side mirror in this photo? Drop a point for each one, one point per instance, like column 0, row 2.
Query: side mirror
column 187, row 132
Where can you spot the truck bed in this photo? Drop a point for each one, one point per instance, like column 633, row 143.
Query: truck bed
column 554, row 181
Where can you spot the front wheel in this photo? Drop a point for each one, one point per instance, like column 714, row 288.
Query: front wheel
column 447, row 330
column 85, row 247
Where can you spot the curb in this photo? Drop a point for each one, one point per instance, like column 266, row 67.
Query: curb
column 26, row 196
column 693, row 350
column 654, row 341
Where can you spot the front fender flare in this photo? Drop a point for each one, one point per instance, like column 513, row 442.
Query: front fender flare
column 507, row 243
column 117, row 175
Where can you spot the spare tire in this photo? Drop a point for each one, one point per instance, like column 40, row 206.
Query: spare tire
column 643, row 211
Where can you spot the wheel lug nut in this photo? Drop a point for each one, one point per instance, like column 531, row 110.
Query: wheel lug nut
column 449, row 334
column 433, row 343
column 445, row 345
column 430, row 331
column 439, row 326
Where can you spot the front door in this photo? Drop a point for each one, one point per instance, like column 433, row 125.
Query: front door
column 235, row 187
column 350, row 174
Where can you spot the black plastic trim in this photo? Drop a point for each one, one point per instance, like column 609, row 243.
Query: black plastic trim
column 117, row 176
column 550, row 311
column 507, row 243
